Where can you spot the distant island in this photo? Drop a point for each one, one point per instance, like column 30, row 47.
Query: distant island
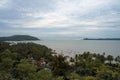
column 18, row 38
column 101, row 39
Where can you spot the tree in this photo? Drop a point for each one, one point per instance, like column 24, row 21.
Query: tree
column 3, row 46
column 24, row 70
column 6, row 69
column 8, row 54
column 59, row 78
column 44, row 75
column 60, row 65
column 89, row 78
column 117, row 59
column 110, row 58
column 6, row 65
column 74, row 76
column 104, row 76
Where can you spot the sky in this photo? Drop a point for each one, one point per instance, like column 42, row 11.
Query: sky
column 60, row 18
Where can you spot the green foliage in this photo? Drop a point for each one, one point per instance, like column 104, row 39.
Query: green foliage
column 22, row 61
column 8, row 54
column 5, row 75
column 110, row 58
column 89, row 78
column 44, row 75
column 59, row 78
column 60, row 65
column 4, row 46
column 74, row 76
column 6, row 65
column 105, row 75
column 30, row 49
column 117, row 59
column 24, row 69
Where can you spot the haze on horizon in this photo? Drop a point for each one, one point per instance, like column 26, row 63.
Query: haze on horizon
column 60, row 18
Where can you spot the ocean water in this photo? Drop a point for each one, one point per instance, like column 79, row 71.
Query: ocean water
column 72, row 47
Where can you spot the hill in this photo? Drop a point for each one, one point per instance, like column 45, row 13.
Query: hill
column 18, row 38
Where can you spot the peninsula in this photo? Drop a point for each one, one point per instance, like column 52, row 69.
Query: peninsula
column 18, row 38
column 101, row 39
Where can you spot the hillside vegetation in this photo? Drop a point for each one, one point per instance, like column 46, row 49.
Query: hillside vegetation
column 30, row 61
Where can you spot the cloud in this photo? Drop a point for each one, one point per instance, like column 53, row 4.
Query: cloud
column 4, row 3
column 62, row 17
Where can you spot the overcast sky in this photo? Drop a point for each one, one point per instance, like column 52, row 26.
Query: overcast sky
column 65, row 18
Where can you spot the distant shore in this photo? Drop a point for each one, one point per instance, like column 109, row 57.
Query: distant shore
column 101, row 39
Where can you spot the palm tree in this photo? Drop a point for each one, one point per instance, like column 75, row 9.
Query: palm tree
column 110, row 58
column 117, row 59
column 60, row 65
column 76, row 57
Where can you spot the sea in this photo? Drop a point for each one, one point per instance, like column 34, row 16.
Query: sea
column 70, row 47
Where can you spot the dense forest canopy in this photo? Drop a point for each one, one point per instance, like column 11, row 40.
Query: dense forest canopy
column 30, row 61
